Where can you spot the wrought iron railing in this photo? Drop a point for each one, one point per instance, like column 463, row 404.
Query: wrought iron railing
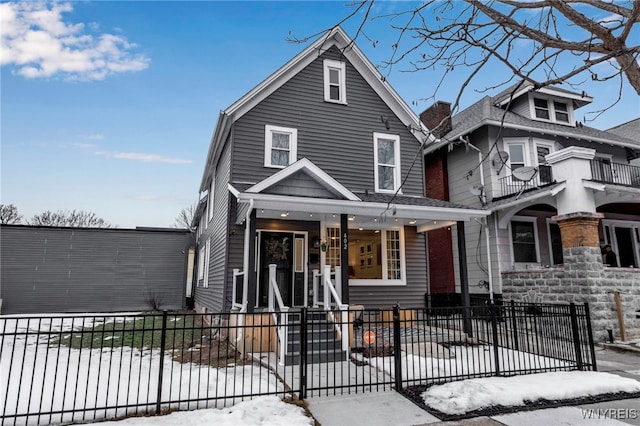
column 511, row 185
column 77, row 369
column 621, row 174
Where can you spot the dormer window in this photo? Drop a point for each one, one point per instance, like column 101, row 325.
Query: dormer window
column 335, row 87
column 551, row 110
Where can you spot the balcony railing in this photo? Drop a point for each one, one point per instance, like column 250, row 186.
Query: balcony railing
column 511, row 185
column 620, row 174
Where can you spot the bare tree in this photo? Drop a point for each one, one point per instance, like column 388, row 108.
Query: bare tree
column 543, row 42
column 9, row 214
column 73, row 218
column 185, row 217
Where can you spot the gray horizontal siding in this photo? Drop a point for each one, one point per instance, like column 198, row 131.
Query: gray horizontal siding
column 213, row 296
column 300, row 185
column 410, row 295
column 56, row 270
column 337, row 138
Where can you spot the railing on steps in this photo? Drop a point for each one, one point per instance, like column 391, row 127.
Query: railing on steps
column 279, row 312
column 331, row 294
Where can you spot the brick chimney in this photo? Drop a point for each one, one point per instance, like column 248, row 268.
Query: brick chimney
column 437, row 118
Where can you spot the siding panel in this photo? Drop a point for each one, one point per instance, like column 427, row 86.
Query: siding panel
column 57, row 270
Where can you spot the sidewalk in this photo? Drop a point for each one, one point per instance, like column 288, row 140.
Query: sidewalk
column 389, row 408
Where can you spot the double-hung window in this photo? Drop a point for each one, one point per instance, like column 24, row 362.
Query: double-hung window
column 335, row 86
column 386, row 152
column 280, row 146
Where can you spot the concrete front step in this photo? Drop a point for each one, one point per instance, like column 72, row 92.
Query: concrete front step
column 316, row 357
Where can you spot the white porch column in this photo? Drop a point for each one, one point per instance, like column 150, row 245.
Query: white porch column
column 571, row 165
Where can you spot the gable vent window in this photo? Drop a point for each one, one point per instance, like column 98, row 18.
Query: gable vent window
column 334, row 82
column 280, row 146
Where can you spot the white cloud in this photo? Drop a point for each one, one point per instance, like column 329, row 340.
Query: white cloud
column 145, row 158
column 39, row 43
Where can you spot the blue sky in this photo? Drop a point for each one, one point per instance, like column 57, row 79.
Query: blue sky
column 115, row 109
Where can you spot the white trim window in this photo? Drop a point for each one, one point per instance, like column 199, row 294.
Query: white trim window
column 547, row 109
column 523, row 238
column 201, row 258
column 386, row 157
column 211, row 198
column 335, row 83
column 518, row 150
column 207, row 253
column 377, row 257
column 280, row 146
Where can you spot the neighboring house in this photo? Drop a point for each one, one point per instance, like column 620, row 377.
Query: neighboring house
column 555, row 188
column 320, row 164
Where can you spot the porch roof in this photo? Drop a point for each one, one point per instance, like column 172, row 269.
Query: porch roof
column 424, row 213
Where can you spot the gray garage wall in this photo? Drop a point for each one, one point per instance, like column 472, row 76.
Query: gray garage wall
column 56, row 270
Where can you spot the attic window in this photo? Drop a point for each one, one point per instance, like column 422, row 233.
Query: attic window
column 280, row 148
column 335, row 89
column 551, row 110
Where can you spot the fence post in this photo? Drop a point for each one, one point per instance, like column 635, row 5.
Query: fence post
column 494, row 331
column 396, row 348
column 514, row 325
column 587, row 315
column 303, row 353
column 576, row 335
column 163, row 341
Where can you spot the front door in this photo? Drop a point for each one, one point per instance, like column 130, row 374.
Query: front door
column 287, row 250
column 624, row 239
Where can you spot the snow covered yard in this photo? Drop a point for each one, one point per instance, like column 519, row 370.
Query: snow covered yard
column 42, row 374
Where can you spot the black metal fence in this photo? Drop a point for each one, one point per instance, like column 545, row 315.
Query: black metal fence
column 75, row 369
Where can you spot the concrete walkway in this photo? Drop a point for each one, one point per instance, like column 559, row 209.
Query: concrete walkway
column 388, row 408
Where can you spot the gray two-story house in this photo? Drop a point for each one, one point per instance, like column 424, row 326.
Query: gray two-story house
column 318, row 166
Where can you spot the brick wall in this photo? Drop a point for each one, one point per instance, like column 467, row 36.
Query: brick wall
column 583, row 278
column 441, row 275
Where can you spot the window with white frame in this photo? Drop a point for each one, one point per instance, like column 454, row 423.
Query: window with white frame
column 386, row 152
column 201, row 257
column 551, row 110
column 524, row 240
column 335, row 86
column 280, row 146
column 211, row 198
column 207, row 253
column 376, row 256
column 518, row 154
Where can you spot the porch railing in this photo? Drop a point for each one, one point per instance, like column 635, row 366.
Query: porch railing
column 331, row 294
column 511, row 185
column 279, row 312
column 618, row 173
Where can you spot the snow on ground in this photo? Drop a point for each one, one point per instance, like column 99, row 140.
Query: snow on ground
column 43, row 372
column 467, row 360
column 475, row 394
column 266, row 410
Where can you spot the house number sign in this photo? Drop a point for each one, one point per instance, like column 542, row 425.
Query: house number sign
column 345, row 241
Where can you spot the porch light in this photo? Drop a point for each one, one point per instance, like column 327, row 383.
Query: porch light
column 377, row 231
column 352, row 218
column 284, row 214
column 359, row 229
column 413, row 222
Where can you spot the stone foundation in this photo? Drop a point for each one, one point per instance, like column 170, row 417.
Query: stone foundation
column 583, row 278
